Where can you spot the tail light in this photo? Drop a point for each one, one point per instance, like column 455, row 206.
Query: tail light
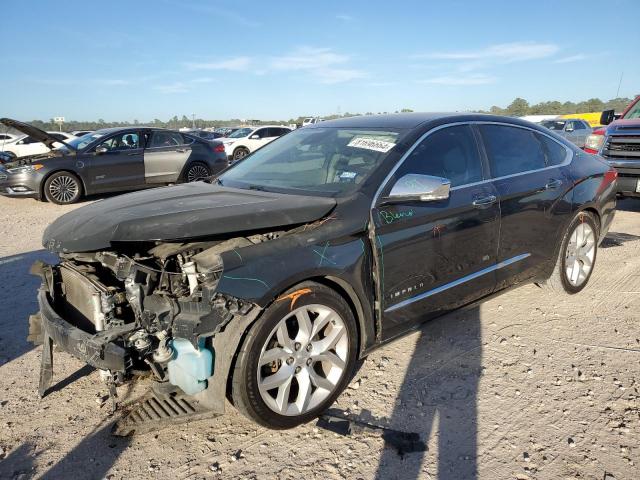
column 610, row 177
column 594, row 142
column 219, row 148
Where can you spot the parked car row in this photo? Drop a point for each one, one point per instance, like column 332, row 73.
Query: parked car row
column 24, row 145
column 108, row 160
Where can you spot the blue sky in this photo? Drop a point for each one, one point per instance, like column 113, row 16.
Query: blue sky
column 275, row 60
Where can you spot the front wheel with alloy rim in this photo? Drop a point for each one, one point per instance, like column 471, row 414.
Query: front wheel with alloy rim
column 197, row 171
column 297, row 358
column 63, row 188
column 239, row 153
column 577, row 255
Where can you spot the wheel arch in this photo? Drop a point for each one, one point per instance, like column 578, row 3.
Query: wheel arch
column 58, row 170
column 339, row 286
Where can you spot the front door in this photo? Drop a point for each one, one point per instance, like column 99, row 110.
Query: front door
column 116, row 163
column 436, row 256
column 166, row 156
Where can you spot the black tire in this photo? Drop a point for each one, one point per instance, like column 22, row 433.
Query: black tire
column 245, row 393
column 63, row 188
column 239, row 153
column 197, row 171
column 559, row 281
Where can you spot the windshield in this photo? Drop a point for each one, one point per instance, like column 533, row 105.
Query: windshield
column 554, row 125
column 329, row 160
column 81, row 142
column 634, row 112
column 241, row 132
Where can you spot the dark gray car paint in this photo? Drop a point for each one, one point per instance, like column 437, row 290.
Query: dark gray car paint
column 190, row 211
column 100, row 173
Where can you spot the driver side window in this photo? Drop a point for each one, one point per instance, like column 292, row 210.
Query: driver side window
column 450, row 153
column 122, row 141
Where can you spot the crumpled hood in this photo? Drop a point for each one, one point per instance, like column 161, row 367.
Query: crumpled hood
column 179, row 213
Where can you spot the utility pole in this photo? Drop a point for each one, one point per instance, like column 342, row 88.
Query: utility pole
column 619, row 83
column 193, row 121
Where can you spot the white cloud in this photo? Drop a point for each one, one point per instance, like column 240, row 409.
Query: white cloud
column 176, row 87
column 237, row 64
column 475, row 79
column 572, row 58
column 344, row 17
column 321, row 63
column 504, row 52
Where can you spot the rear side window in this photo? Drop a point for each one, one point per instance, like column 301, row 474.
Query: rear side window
column 450, row 153
column 555, row 153
column 512, row 150
column 166, row 139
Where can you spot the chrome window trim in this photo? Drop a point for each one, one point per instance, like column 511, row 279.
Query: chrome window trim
column 567, row 161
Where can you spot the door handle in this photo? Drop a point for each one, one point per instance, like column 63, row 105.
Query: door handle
column 553, row 184
column 482, row 202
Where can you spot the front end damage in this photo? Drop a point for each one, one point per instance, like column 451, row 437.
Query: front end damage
column 155, row 311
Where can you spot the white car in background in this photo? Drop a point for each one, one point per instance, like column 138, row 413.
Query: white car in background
column 25, row 145
column 7, row 137
column 246, row 140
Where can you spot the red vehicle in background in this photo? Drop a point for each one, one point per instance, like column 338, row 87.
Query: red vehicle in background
column 618, row 141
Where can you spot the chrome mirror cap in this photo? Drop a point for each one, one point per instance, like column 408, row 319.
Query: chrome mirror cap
column 423, row 188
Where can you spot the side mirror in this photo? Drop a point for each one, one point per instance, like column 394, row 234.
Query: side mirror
column 607, row 117
column 420, row 188
column 100, row 150
column 255, row 137
column 568, row 129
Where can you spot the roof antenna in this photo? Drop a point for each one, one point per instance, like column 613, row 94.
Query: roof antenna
column 619, row 83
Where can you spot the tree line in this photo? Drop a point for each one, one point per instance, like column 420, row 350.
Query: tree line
column 519, row 107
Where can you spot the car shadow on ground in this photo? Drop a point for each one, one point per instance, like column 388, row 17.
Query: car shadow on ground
column 93, row 457
column 18, row 300
column 438, row 400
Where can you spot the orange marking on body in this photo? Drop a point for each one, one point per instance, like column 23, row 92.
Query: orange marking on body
column 294, row 296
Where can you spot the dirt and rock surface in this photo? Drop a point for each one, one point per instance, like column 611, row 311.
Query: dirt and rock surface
column 527, row 386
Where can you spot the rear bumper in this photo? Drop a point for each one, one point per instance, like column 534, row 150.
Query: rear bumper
column 91, row 349
column 628, row 175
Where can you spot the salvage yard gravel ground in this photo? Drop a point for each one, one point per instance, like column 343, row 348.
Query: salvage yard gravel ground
column 529, row 385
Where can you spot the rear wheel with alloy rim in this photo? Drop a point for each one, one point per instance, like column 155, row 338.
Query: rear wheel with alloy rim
column 297, row 358
column 63, row 188
column 197, row 171
column 577, row 255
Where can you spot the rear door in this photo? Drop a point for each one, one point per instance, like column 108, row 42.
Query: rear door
column 116, row 162
column 528, row 173
column 165, row 156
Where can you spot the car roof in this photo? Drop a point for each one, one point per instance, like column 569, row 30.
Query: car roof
column 413, row 120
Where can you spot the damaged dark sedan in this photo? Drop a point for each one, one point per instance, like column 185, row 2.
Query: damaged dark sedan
column 267, row 284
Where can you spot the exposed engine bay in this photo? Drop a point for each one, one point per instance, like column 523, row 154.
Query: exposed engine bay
column 154, row 311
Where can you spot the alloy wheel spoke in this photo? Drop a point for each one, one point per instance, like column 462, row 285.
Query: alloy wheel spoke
column 328, row 342
column 282, row 398
column 273, row 355
column 282, row 333
column 321, row 321
column 304, row 390
column 278, row 379
column 304, row 326
column 319, row 381
column 330, row 357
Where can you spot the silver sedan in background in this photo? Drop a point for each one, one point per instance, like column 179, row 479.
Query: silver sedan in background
column 574, row 130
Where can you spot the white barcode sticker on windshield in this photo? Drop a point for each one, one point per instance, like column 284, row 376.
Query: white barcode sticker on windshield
column 371, row 144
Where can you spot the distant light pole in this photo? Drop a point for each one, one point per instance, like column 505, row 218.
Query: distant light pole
column 193, row 121
column 619, row 83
